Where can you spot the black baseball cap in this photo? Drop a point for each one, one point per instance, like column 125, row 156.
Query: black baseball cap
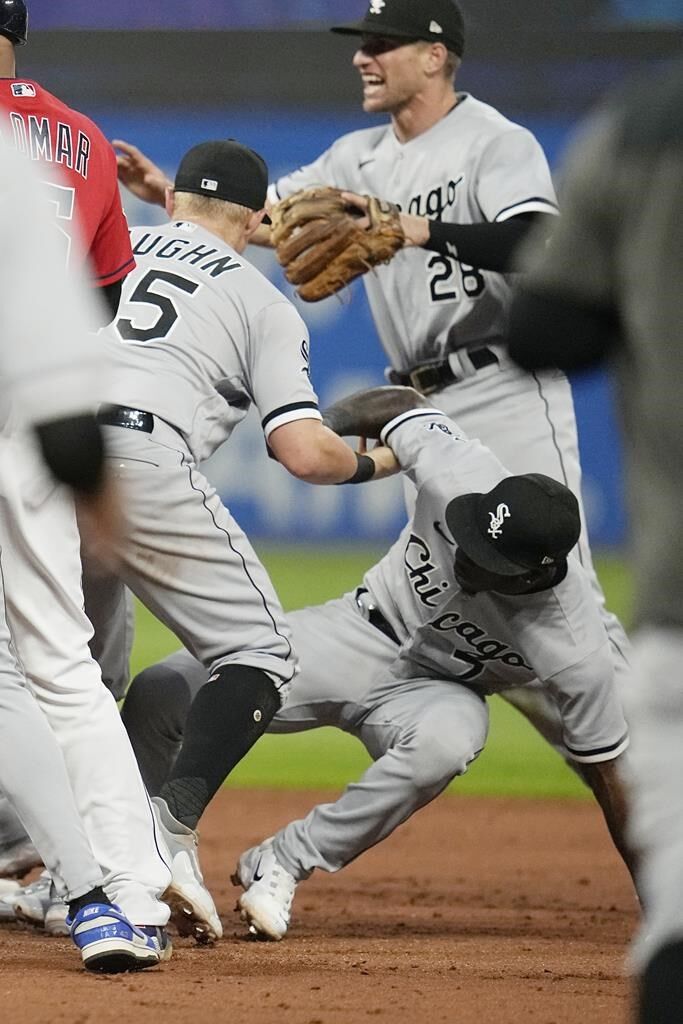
column 224, row 169
column 437, row 21
column 525, row 522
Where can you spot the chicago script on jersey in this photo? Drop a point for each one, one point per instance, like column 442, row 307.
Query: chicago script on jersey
column 436, row 201
column 484, row 648
column 418, row 561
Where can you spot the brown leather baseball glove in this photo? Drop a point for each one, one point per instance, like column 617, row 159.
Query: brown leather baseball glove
column 321, row 245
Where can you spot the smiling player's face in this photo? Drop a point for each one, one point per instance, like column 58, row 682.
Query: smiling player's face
column 392, row 72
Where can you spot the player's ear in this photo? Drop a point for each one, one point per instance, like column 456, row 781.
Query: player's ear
column 254, row 221
column 169, row 200
column 437, row 55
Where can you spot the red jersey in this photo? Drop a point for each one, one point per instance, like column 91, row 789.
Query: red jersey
column 80, row 170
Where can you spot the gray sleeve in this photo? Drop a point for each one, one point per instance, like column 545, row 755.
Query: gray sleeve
column 513, row 177
column 433, row 451
column 49, row 361
column 593, row 720
column 577, row 261
column 321, row 171
column 279, row 367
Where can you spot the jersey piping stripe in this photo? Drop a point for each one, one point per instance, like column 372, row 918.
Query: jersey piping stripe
column 412, row 414
column 535, row 204
column 292, row 416
column 284, row 410
column 553, row 434
column 221, row 529
column 612, row 749
column 155, row 833
column 119, row 270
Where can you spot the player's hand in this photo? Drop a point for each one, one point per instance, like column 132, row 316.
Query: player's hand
column 415, row 229
column 360, row 204
column 386, row 463
column 139, row 174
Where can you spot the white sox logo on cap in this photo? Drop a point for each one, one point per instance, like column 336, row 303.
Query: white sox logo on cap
column 435, row 27
column 497, row 517
column 376, row 6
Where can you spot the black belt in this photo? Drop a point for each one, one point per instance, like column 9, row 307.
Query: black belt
column 429, row 377
column 375, row 617
column 121, row 416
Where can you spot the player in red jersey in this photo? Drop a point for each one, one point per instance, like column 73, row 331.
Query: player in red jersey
column 79, row 166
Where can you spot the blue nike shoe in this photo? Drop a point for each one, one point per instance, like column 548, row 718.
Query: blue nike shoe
column 110, row 943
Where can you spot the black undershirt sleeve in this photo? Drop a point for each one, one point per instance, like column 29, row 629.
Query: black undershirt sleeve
column 74, row 451
column 488, row 246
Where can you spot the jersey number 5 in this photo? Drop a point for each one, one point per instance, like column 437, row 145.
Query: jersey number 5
column 442, row 282
column 168, row 314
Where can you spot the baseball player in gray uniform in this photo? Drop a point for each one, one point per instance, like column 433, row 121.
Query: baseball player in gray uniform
column 201, row 336
column 49, row 368
column 470, row 184
column 476, row 596
column 624, row 187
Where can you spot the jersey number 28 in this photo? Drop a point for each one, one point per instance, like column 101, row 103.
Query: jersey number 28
column 443, row 279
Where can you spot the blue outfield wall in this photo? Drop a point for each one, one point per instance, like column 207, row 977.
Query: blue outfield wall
column 345, row 352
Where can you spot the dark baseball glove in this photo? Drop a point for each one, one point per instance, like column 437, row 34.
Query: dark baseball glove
column 321, row 244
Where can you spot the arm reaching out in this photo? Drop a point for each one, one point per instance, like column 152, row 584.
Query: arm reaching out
column 605, row 780
column 139, row 174
column 365, row 413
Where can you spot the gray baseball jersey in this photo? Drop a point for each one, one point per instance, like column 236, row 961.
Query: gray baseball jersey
column 200, row 336
column 204, row 336
column 472, row 166
column 489, row 641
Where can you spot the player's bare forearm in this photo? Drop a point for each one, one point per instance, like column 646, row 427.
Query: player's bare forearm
column 313, row 453
column 365, row 413
column 608, row 788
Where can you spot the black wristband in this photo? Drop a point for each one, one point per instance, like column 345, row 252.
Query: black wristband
column 365, row 470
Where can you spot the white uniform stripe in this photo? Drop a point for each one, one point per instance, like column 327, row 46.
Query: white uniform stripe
column 603, row 754
column 291, row 416
column 535, row 205
column 403, row 417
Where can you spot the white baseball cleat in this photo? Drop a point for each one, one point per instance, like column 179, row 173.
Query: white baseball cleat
column 32, row 901
column 266, row 903
column 55, row 922
column 9, row 886
column 18, row 858
column 193, row 910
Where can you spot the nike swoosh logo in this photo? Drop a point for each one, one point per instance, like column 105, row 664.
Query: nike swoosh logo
column 364, row 162
column 437, row 527
column 257, row 877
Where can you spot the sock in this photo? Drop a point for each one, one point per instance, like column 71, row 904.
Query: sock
column 96, row 895
column 226, row 718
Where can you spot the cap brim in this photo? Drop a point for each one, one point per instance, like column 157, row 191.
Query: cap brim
column 359, row 28
column 462, row 519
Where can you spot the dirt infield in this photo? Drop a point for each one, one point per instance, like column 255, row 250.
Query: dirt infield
column 475, row 911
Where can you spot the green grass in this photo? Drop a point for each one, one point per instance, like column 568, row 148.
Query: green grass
column 516, row 762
